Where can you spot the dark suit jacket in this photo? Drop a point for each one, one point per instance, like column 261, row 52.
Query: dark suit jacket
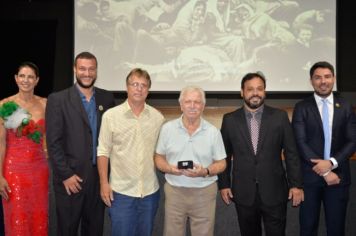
column 266, row 167
column 69, row 138
column 308, row 130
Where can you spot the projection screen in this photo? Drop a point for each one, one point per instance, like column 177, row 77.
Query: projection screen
column 210, row 43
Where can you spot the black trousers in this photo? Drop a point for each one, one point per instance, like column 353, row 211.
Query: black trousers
column 250, row 218
column 334, row 199
column 84, row 208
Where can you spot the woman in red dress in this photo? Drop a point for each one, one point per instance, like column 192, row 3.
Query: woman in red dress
column 23, row 163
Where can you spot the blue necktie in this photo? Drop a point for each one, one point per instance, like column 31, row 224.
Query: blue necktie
column 326, row 129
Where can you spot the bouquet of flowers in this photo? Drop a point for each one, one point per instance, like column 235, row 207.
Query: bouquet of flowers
column 18, row 119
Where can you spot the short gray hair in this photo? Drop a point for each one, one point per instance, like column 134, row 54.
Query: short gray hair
column 191, row 88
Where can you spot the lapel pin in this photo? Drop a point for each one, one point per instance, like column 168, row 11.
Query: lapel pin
column 101, row 108
column 337, row 105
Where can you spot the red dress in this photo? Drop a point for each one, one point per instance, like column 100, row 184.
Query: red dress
column 26, row 170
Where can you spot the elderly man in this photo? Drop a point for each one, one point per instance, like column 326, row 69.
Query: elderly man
column 191, row 152
column 127, row 138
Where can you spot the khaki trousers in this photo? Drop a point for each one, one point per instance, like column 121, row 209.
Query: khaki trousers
column 196, row 204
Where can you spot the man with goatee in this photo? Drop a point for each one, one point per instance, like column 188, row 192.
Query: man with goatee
column 255, row 137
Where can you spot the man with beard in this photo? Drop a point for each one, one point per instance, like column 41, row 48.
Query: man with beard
column 325, row 131
column 254, row 137
column 73, row 118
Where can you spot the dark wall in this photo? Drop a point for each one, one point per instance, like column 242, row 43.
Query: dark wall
column 43, row 31
column 29, row 39
column 346, row 50
column 40, row 31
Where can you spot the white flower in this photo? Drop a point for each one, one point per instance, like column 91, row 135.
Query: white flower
column 16, row 118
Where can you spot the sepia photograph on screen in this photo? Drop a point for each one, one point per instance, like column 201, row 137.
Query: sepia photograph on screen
column 207, row 42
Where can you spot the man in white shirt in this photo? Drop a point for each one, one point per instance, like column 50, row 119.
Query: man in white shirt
column 325, row 131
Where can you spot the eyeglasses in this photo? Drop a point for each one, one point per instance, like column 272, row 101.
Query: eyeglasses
column 137, row 85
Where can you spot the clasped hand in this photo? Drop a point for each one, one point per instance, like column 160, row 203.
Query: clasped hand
column 323, row 168
column 197, row 171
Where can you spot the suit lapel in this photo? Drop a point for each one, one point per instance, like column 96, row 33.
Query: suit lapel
column 315, row 111
column 265, row 119
column 77, row 104
column 99, row 105
column 337, row 114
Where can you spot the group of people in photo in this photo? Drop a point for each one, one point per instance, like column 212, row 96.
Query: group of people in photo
column 213, row 41
column 103, row 155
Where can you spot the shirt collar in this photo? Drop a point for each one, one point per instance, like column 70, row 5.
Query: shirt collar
column 82, row 96
column 258, row 112
column 329, row 99
column 128, row 108
column 202, row 124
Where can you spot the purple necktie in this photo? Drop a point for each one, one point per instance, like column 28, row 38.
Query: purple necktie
column 254, row 132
